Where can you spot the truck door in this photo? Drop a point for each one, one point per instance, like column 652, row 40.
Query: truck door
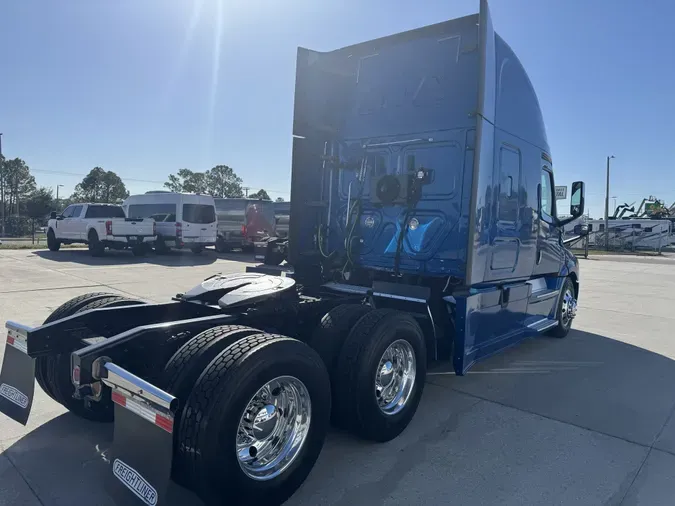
column 70, row 222
column 75, row 225
column 549, row 244
column 60, row 225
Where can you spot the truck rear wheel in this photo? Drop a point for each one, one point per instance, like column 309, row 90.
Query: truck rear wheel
column 184, row 367
column 53, row 372
column 380, row 375
column 66, row 309
column 96, row 247
column 52, row 243
column 329, row 337
column 256, row 421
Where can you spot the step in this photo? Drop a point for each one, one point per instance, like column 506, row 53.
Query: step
column 542, row 324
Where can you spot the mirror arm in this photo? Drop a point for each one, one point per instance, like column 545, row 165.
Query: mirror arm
column 562, row 223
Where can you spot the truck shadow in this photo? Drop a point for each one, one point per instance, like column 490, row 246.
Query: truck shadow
column 173, row 258
column 588, row 380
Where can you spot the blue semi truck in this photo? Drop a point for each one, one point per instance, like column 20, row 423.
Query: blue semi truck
column 423, row 228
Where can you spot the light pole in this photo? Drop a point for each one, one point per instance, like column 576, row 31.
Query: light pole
column 57, row 195
column 607, row 206
column 2, row 191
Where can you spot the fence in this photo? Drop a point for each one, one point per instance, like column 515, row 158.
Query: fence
column 22, row 229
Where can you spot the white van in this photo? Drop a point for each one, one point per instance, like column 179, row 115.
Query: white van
column 184, row 220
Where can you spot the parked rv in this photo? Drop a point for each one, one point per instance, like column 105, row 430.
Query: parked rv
column 630, row 234
column 625, row 234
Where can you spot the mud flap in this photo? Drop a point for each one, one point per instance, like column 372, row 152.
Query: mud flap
column 142, row 449
column 17, row 376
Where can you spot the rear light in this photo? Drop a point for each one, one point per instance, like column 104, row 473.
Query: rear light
column 179, row 231
column 108, row 227
column 76, row 375
column 142, row 409
column 243, row 230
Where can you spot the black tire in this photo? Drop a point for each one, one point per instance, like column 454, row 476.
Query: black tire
column 184, row 367
column 210, row 421
column 161, row 248
column 355, row 398
column 139, row 250
column 52, row 243
column 96, row 247
column 329, row 337
column 56, row 371
column 564, row 324
column 274, row 257
column 221, row 246
column 66, row 309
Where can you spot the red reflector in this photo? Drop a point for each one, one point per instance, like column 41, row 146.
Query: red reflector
column 164, row 422
column 118, row 398
column 10, row 340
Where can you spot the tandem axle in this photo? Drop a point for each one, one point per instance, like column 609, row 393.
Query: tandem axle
column 252, row 352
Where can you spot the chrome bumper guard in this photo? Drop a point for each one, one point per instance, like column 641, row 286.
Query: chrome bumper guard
column 17, row 335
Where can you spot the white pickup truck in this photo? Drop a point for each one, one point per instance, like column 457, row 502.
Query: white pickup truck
column 100, row 226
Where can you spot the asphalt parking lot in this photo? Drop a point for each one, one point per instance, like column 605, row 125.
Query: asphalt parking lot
column 587, row 420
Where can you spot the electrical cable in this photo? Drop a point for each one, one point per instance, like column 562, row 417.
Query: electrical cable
column 409, row 213
column 349, row 239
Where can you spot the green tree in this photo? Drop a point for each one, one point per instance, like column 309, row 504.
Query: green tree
column 280, row 199
column 100, row 186
column 222, row 181
column 16, row 184
column 187, row 181
column 260, row 194
column 219, row 181
column 40, row 203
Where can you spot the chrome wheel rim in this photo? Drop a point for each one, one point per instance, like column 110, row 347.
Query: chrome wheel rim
column 569, row 308
column 395, row 377
column 273, row 428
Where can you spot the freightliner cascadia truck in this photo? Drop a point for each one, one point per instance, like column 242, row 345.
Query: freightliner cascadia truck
column 423, row 230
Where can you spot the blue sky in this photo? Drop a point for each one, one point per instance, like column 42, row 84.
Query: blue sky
column 145, row 88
